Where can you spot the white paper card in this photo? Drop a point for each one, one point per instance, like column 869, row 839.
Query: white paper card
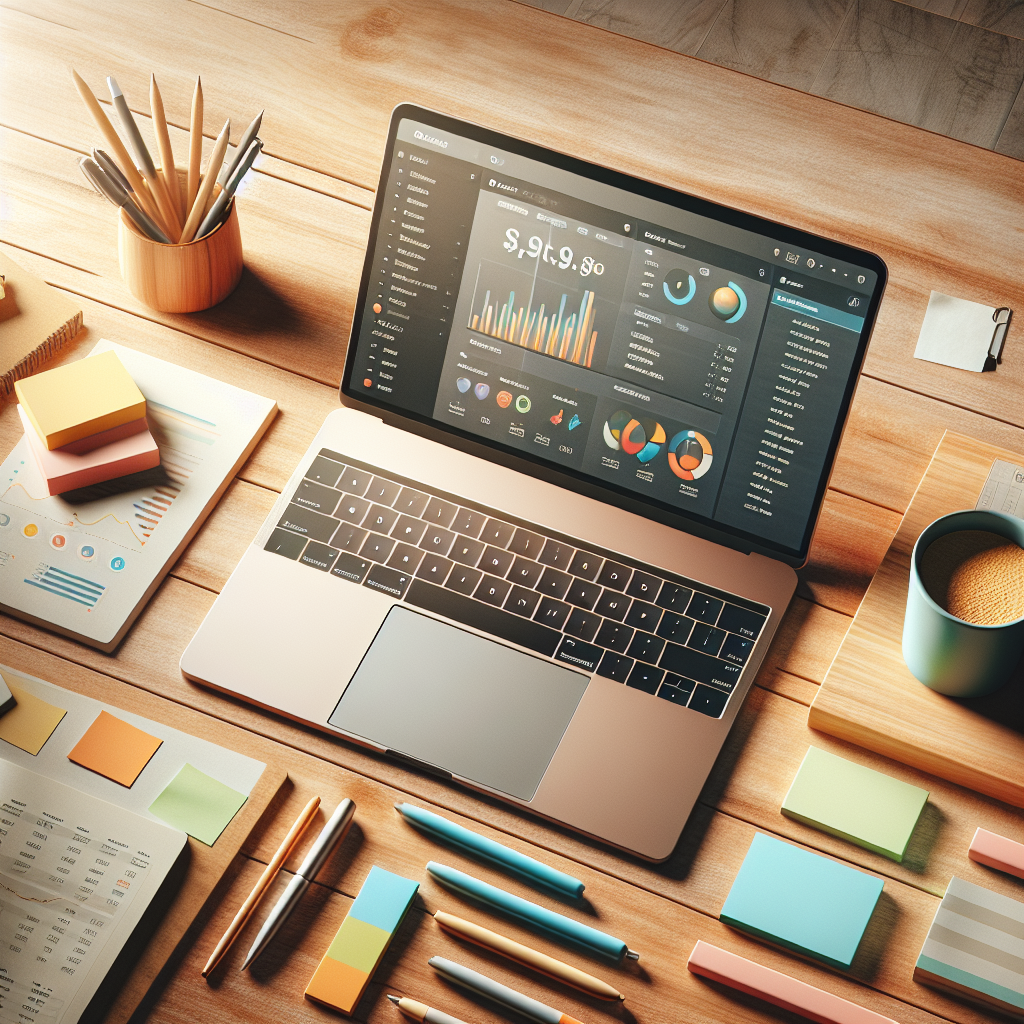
column 956, row 332
column 1004, row 489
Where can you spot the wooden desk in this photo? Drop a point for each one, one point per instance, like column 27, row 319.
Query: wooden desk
column 942, row 214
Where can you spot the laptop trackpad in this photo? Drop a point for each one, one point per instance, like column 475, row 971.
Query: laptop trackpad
column 458, row 701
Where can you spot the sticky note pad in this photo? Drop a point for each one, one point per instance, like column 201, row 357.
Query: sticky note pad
column 855, row 803
column 975, row 947
column 197, row 804
column 70, row 402
column 801, row 900
column 115, row 749
column 30, row 722
column 995, row 851
column 362, row 940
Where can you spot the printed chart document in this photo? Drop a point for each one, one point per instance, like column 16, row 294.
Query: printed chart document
column 86, row 570
column 76, row 876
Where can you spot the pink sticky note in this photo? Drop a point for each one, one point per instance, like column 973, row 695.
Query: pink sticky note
column 997, row 852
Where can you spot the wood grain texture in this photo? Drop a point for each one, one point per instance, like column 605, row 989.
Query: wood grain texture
column 1005, row 16
column 682, row 27
column 1011, row 138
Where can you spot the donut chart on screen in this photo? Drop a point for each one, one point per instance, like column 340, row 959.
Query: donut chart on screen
column 643, row 438
column 689, row 455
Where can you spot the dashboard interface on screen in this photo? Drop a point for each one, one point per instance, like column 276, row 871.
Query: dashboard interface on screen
column 671, row 356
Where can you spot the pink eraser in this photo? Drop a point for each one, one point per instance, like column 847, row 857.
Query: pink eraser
column 63, row 472
column 997, row 852
column 779, row 989
column 89, row 444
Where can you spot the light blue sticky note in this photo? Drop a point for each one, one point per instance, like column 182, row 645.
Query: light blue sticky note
column 801, row 900
column 383, row 899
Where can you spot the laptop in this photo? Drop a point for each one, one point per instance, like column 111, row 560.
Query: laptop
column 586, row 427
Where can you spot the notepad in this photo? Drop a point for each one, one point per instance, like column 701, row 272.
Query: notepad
column 197, row 804
column 31, row 722
column 115, row 749
column 801, row 900
column 855, row 803
column 362, row 940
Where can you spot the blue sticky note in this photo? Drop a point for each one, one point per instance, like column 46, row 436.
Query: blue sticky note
column 801, row 900
column 383, row 899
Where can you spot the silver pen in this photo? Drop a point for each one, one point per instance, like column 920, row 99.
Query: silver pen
column 115, row 192
column 332, row 834
column 244, row 142
column 131, row 129
column 221, row 202
column 103, row 159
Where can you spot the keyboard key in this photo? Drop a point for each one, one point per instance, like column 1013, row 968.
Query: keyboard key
column 377, row 547
column 390, row 581
column 352, row 509
column 586, row 566
column 674, row 598
column 348, row 537
column 324, row 471
column 355, row 481
column 643, row 586
column 697, row 666
column 706, row 638
column 496, row 621
column 614, row 576
column 410, row 502
column 522, row 601
column 675, row 627
column 704, row 608
column 463, row 579
column 554, row 583
column 320, row 556
column 576, row 652
column 614, row 636
column 351, row 567
column 556, row 554
column 615, row 666
column 405, row 558
column 583, row 593
column 466, row 550
column 644, row 615
column 739, row 620
column 551, row 612
column 583, row 624
column 525, row 573
column 409, row 530
column 646, row 647
column 680, row 683
column 645, row 677
column 284, row 542
column 708, row 701
column 736, row 648
column 613, row 605
column 493, row 590
column 440, row 513
column 437, row 540
column 527, row 544
column 308, row 524
column 380, row 519
column 316, row 496
column 497, row 533
column 434, row 568
column 383, row 491
column 674, row 694
column 469, row 522
column 497, row 561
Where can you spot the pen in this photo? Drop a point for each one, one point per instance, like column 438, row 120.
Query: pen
column 221, row 202
column 422, row 1012
column 332, row 834
column 103, row 159
column 547, row 922
column 521, row 954
column 508, row 997
column 244, row 142
column 206, row 188
column 526, row 868
column 300, row 825
column 115, row 192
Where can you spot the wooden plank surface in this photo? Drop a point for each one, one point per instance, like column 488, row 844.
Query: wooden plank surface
column 328, row 75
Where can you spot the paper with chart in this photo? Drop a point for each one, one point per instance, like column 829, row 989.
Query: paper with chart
column 86, row 569
column 76, row 875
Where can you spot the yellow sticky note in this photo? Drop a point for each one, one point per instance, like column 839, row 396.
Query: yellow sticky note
column 29, row 724
column 115, row 749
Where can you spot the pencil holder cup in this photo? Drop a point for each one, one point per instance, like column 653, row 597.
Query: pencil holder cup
column 181, row 278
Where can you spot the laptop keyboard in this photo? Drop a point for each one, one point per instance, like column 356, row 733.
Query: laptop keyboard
column 647, row 629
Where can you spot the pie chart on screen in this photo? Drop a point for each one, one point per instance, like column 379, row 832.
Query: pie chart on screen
column 643, row 438
column 689, row 455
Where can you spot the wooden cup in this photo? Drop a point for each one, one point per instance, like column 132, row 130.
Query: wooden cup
column 181, row 278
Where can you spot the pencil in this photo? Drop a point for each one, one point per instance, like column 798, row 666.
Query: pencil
column 302, row 822
column 195, row 145
column 206, row 188
column 528, row 957
column 163, row 143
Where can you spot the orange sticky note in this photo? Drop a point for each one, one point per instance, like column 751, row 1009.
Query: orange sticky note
column 115, row 749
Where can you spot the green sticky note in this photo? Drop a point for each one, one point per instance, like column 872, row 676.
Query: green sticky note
column 855, row 803
column 197, row 804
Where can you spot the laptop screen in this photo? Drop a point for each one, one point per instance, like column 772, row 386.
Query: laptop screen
column 675, row 357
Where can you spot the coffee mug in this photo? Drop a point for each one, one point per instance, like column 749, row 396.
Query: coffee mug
column 954, row 657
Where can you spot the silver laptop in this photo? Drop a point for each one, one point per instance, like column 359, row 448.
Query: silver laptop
column 587, row 426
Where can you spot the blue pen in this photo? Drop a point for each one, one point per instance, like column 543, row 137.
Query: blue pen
column 540, row 919
column 531, row 871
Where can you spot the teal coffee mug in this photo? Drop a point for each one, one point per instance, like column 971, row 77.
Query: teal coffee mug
column 951, row 656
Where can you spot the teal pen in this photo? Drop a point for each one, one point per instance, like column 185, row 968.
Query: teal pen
column 529, row 870
column 540, row 919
